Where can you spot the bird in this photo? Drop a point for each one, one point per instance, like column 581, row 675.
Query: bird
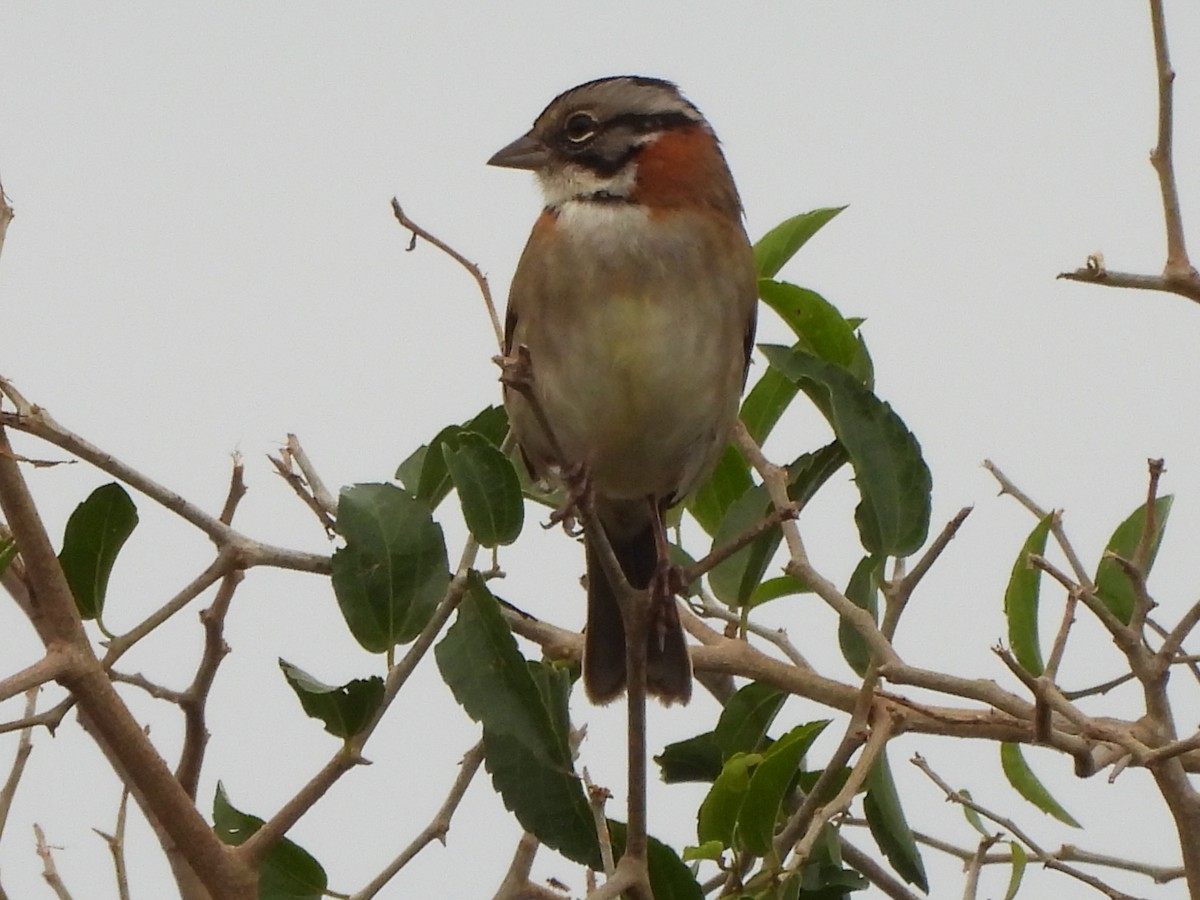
column 634, row 306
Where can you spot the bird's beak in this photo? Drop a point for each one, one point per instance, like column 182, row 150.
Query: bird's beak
column 526, row 152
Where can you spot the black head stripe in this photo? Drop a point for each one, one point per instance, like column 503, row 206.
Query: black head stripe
column 615, row 144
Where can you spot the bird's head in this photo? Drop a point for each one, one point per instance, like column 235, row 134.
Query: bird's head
column 625, row 139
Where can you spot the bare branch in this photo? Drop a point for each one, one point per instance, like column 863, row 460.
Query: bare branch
column 1016, row 831
column 37, row 421
column 24, row 748
column 1178, row 267
column 903, row 588
column 195, row 698
column 480, row 278
column 45, row 669
column 116, row 846
column 49, row 870
column 437, row 828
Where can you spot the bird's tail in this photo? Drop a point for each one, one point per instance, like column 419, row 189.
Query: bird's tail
column 668, row 666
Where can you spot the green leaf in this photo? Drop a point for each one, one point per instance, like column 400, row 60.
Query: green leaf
column 670, row 879
column 1021, row 777
column 822, row 876
column 774, row 588
column 523, row 709
column 729, row 480
column 741, row 728
column 487, row 487
column 1112, row 584
column 95, row 533
column 1021, row 600
column 862, row 366
column 766, row 402
column 718, row 814
column 1019, row 860
column 693, row 759
column 892, row 478
column 808, row 472
column 288, row 871
column 889, row 827
column 769, row 785
column 863, row 590
column 814, row 320
column 393, row 570
column 8, row 550
column 708, row 850
column 345, row 709
column 780, row 244
column 424, row 472
column 973, row 817
column 734, row 580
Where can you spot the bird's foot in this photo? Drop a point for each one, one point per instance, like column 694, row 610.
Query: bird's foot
column 578, row 488
column 516, row 371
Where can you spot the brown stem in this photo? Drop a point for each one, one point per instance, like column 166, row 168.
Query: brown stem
column 480, row 278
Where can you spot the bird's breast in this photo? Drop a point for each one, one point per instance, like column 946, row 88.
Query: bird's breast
column 635, row 333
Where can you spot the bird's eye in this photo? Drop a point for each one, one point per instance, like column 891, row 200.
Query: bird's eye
column 580, row 127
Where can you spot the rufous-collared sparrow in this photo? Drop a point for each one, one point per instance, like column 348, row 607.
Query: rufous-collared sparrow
column 636, row 299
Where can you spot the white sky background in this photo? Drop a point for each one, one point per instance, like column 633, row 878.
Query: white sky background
column 204, row 259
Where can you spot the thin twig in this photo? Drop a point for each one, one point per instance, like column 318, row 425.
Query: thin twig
column 116, row 846
column 1178, row 266
column 881, row 733
column 194, row 700
column 37, row 421
column 1016, row 831
column 709, row 606
column 1065, row 853
column 480, row 278
column 437, row 828
column 24, row 748
column 1178, row 275
column 903, row 588
column 49, row 870
column 597, row 798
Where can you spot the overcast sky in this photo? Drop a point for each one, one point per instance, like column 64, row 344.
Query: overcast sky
column 204, row 259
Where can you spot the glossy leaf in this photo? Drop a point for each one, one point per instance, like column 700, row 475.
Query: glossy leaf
column 1021, row 601
column 1021, row 777
column 780, row 244
column 1019, row 860
column 95, row 533
column 424, row 472
column 345, row 709
column 670, row 879
column 734, row 580
column 523, row 709
column 769, row 786
column 808, row 472
column 1112, row 584
column 729, row 481
column 814, row 320
column 889, row 827
column 487, row 487
column 863, row 590
column 718, row 814
column 892, row 478
column 393, row 570
column 288, row 872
